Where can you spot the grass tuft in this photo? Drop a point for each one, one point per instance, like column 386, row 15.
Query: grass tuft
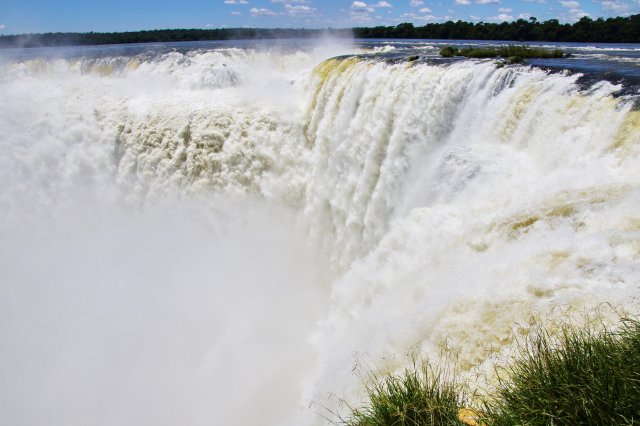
column 421, row 395
column 578, row 377
column 574, row 377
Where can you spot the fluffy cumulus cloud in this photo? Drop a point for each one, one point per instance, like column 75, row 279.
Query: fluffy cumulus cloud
column 617, row 7
column 574, row 11
column 505, row 10
column 361, row 12
column 501, row 18
column 576, row 14
column 254, row 11
column 424, row 15
column 361, row 7
column 487, row 1
column 463, row 2
column 236, row 2
column 299, row 10
column 571, row 4
column 416, row 3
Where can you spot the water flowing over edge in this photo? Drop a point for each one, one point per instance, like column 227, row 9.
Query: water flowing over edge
column 445, row 205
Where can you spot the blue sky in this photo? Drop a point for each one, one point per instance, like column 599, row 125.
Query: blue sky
column 22, row 16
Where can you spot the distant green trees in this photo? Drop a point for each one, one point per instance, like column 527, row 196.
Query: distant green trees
column 92, row 38
column 611, row 30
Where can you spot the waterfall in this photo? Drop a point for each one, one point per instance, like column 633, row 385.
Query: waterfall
column 204, row 236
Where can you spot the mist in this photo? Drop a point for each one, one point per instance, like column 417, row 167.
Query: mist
column 167, row 316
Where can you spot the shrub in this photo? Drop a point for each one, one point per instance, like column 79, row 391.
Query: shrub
column 479, row 53
column 421, row 395
column 580, row 377
column 509, row 51
column 448, row 52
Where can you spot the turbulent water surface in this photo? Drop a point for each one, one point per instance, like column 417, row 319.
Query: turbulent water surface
column 228, row 232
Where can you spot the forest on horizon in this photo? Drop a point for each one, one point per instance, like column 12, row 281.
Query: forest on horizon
column 610, row 30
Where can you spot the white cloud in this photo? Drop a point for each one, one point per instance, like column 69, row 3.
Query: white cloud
column 576, row 14
column 463, row 2
column 487, row 1
column 236, row 2
column 416, row 3
column 535, row 1
column 425, row 10
column 2, row 26
column 361, row 7
column 505, row 10
column 261, row 12
column 616, row 7
column 475, row 18
column 300, row 10
column 361, row 11
column 501, row 18
column 415, row 17
column 236, row 13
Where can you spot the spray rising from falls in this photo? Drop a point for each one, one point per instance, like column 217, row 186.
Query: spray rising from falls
column 437, row 207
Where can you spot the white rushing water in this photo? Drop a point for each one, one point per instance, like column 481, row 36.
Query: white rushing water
column 222, row 236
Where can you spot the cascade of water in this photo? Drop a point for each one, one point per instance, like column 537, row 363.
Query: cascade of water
column 445, row 206
column 458, row 202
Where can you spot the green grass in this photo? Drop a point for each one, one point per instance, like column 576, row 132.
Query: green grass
column 421, row 395
column 575, row 377
column 508, row 51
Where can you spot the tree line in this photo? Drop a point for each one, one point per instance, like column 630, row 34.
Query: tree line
column 155, row 36
column 611, row 30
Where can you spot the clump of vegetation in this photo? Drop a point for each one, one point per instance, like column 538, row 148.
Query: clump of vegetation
column 579, row 377
column 512, row 53
column 576, row 377
column 448, row 52
column 422, row 395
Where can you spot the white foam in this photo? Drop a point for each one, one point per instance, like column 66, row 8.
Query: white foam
column 444, row 206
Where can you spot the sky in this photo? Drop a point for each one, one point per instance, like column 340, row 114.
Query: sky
column 34, row 16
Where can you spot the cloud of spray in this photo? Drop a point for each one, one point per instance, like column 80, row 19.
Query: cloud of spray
column 168, row 316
